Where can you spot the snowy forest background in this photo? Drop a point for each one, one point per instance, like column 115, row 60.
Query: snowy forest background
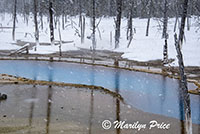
column 106, row 8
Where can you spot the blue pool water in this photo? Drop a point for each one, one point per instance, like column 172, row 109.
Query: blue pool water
column 148, row 92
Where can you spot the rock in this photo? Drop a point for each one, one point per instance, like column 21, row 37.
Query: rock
column 3, row 96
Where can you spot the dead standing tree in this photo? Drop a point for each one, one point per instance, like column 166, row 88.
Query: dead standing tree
column 93, row 36
column 14, row 19
column 81, row 21
column 51, row 22
column 118, row 23
column 130, row 23
column 165, row 34
column 36, row 24
column 184, row 87
column 93, row 25
column 149, row 16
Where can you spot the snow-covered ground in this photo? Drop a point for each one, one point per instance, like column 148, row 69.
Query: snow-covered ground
column 142, row 48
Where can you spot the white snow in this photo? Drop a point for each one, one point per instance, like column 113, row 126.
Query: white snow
column 142, row 48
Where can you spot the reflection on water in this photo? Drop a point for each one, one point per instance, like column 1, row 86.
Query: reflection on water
column 33, row 97
column 117, row 82
column 147, row 92
column 52, row 110
column 91, row 101
column 49, row 101
column 181, row 109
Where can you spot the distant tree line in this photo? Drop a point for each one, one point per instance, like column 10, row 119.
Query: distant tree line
column 141, row 8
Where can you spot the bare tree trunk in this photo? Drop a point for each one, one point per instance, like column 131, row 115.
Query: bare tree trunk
column 36, row 25
column 175, row 25
column 165, row 22
column 14, row 19
column 63, row 21
column 60, row 37
column 184, row 15
column 41, row 21
column 165, row 52
column 118, row 23
column 130, row 24
column 110, row 38
column 188, row 22
column 148, row 23
column 149, row 17
column 93, row 25
column 81, row 22
column 184, row 87
column 165, row 34
column 178, row 44
column 177, row 20
column 51, row 22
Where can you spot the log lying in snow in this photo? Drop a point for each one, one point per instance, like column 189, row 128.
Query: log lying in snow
column 24, row 48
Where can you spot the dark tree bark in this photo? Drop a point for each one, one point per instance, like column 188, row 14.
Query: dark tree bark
column 176, row 13
column 14, row 19
column 149, row 17
column 165, row 22
column 63, row 21
column 51, row 21
column 188, row 23
column 183, row 19
column 130, row 23
column 165, row 34
column 93, row 25
column 118, row 23
column 36, row 24
column 165, row 53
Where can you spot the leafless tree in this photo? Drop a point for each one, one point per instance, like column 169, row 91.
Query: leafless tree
column 118, row 23
column 81, row 22
column 165, row 34
column 130, row 23
column 93, row 25
column 149, row 16
column 184, row 86
column 36, row 24
column 51, row 21
column 14, row 19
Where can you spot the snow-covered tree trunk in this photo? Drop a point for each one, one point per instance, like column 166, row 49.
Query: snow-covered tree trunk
column 36, row 24
column 14, row 19
column 51, row 22
column 118, row 23
column 184, row 87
